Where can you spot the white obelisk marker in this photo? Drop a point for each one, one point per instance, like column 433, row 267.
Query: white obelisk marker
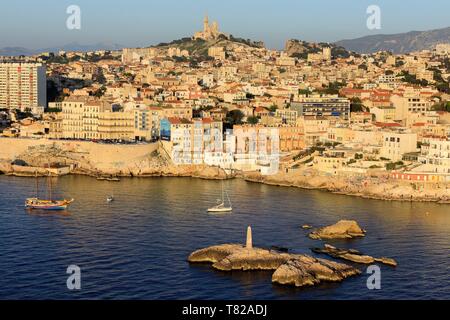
column 249, row 243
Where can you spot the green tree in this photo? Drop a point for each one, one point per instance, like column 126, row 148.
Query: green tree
column 273, row 108
column 234, row 117
column 252, row 120
column 356, row 105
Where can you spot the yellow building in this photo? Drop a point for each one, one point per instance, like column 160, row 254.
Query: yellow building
column 116, row 125
column 291, row 138
column 86, row 118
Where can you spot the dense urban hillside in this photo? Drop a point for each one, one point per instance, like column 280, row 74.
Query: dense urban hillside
column 398, row 43
column 301, row 49
column 199, row 47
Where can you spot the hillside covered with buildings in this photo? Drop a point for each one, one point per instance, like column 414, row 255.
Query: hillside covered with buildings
column 223, row 102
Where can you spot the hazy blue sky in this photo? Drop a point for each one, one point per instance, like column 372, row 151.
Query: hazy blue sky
column 40, row 24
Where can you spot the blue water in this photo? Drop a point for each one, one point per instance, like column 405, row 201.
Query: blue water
column 136, row 247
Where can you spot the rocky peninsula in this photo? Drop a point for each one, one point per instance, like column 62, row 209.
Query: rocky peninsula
column 289, row 269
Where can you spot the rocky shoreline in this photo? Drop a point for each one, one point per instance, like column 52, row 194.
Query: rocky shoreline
column 214, row 173
column 381, row 189
column 353, row 255
column 152, row 160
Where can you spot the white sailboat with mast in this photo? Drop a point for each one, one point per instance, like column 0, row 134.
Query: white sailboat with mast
column 221, row 206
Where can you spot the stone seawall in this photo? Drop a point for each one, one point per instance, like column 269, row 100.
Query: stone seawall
column 83, row 155
column 95, row 159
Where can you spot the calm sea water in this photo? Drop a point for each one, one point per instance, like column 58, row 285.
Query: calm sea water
column 136, row 247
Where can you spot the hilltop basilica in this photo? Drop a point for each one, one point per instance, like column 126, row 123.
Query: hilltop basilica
column 210, row 32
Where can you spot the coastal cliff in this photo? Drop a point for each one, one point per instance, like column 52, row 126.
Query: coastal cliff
column 94, row 159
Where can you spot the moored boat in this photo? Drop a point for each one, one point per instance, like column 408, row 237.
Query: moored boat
column 41, row 204
column 221, row 207
column 113, row 178
column 35, row 203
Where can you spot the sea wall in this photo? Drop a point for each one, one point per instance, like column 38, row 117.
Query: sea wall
column 95, row 159
column 84, row 155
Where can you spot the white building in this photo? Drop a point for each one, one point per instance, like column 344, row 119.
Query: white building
column 435, row 155
column 409, row 104
column 396, row 144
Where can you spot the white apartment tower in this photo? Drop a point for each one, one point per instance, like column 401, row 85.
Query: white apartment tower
column 23, row 85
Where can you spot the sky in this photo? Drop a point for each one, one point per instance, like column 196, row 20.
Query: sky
column 135, row 23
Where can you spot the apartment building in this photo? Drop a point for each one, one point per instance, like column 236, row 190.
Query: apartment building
column 256, row 148
column 23, row 86
column 288, row 116
column 405, row 105
column 318, row 105
column 291, row 138
column 86, row 118
column 396, row 144
column 383, row 113
column 315, row 128
column 116, row 125
column 199, row 141
column 435, row 155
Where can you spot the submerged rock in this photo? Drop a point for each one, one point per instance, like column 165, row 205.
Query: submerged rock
column 352, row 255
column 387, row 261
column 344, row 229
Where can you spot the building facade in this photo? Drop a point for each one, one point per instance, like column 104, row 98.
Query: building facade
column 23, row 86
column 326, row 106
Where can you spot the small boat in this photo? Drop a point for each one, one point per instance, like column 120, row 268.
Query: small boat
column 114, row 179
column 110, row 199
column 221, row 207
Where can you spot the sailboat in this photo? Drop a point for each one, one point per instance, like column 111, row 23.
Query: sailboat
column 221, row 207
column 36, row 203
